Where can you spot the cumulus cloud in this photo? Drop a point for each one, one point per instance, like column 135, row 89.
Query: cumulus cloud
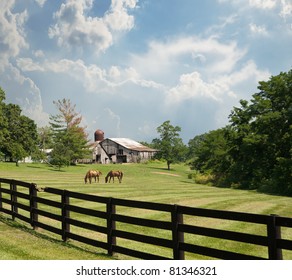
column 74, row 28
column 258, row 29
column 192, row 86
column 41, row 2
column 118, row 18
column 93, row 78
column 263, row 4
column 24, row 92
column 286, row 9
column 12, row 34
column 208, row 55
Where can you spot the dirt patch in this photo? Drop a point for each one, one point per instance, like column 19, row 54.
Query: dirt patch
column 165, row 173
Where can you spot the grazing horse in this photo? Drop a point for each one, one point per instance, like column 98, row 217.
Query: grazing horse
column 92, row 174
column 112, row 174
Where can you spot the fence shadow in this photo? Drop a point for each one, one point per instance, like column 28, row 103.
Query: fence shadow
column 28, row 230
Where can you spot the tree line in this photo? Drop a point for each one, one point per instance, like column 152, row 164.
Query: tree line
column 20, row 137
column 252, row 152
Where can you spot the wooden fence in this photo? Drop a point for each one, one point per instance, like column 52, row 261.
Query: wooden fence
column 25, row 201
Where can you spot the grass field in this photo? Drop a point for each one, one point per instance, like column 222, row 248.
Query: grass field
column 144, row 182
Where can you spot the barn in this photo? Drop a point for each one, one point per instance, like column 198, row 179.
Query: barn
column 120, row 150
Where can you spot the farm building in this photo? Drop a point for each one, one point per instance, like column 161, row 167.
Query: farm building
column 119, row 150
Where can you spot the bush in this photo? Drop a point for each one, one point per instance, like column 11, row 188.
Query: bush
column 202, row 178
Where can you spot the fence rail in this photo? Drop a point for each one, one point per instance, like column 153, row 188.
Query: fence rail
column 24, row 201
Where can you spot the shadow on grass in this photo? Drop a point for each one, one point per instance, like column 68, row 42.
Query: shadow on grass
column 33, row 232
column 36, row 167
column 160, row 168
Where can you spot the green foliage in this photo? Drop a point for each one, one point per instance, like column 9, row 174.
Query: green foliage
column 45, row 137
column 260, row 138
column 170, row 145
column 210, row 151
column 18, row 133
column 255, row 150
column 69, row 138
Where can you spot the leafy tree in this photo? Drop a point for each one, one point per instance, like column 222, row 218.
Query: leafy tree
column 18, row 132
column 260, row 137
column 255, row 150
column 60, row 155
column 45, row 137
column 69, row 138
column 193, row 146
column 3, row 120
column 170, row 145
column 210, row 153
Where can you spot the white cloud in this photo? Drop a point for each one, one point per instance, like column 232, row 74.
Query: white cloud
column 74, row 28
column 118, row 18
column 284, row 6
column 28, row 65
column 192, row 86
column 286, row 9
column 19, row 89
column 39, row 53
column 12, row 35
column 208, row 55
column 263, row 4
column 248, row 75
column 41, row 2
column 24, row 92
column 93, row 78
column 258, row 29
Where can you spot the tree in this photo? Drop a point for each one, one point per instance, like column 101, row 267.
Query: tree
column 18, row 133
column 255, row 150
column 45, row 137
column 210, row 154
column 3, row 121
column 170, row 145
column 70, row 139
column 260, row 137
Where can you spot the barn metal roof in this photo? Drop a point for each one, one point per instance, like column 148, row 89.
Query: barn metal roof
column 132, row 145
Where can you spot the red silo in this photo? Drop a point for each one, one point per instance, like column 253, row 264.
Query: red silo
column 98, row 135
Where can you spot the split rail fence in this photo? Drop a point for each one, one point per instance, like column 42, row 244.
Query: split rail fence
column 174, row 235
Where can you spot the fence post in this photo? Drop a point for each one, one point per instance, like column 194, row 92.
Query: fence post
column 111, row 225
column 65, row 215
column 177, row 236
column 14, row 208
column 33, row 205
column 1, row 205
column 274, row 233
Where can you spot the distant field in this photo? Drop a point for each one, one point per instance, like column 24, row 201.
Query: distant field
column 147, row 182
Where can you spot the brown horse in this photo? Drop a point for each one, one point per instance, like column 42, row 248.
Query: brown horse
column 112, row 174
column 92, row 174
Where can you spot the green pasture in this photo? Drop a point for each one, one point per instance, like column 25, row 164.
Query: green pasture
column 145, row 182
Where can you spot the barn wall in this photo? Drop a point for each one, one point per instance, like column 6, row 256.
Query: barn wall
column 110, row 151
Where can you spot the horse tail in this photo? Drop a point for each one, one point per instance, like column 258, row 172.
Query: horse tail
column 85, row 179
column 106, row 178
column 121, row 176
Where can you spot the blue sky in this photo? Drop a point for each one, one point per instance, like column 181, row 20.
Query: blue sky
column 130, row 65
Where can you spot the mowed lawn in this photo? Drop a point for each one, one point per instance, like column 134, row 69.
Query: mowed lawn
column 144, row 182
